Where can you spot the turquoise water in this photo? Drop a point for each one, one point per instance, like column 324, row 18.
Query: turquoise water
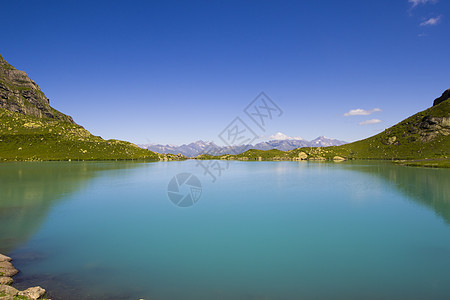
column 263, row 230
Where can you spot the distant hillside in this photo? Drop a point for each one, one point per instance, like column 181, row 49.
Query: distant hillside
column 201, row 147
column 30, row 129
column 423, row 138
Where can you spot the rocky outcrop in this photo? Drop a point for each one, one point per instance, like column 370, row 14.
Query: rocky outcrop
column 7, row 292
column 445, row 96
column 431, row 127
column 301, row 156
column 18, row 93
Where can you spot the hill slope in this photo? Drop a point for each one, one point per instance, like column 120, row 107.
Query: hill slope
column 423, row 137
column 30, row 129
column 18, row 93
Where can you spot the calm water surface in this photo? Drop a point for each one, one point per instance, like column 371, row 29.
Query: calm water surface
column 263, row 230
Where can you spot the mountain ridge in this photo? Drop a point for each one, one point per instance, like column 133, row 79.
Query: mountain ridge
column 206, row 147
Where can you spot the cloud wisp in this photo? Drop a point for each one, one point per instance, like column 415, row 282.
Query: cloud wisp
column 361, row 112
column 431, row 21
column 369, row 122
column 414, row 3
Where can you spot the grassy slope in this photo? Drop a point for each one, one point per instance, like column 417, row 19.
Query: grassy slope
column 408, row 144
column 29, row 138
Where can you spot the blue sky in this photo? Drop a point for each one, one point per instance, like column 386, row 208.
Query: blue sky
column 178, row 71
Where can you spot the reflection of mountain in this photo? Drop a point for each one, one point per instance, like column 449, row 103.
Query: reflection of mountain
column 427, row 186
column 29, row 190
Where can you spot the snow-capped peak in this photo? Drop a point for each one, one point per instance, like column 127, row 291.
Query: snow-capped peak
column 282, row 136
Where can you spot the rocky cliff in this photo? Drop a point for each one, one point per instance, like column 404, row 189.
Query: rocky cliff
column 18, row 93
column 445, row 96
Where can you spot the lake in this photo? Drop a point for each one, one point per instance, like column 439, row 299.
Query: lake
column 262, row 230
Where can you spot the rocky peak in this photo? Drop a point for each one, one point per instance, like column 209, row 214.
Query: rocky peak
column 445, row 96
column 18, row 93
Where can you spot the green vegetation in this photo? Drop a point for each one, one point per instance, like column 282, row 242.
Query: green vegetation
column 431, row 163
column 420, row 140
column 25, row 137
column 425, row 135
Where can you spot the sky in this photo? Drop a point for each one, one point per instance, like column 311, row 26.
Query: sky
column 173, row 72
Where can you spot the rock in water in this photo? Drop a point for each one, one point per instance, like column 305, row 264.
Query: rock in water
column 4, row 258
column 32, row 293
column 8, row 290
column 7, row 269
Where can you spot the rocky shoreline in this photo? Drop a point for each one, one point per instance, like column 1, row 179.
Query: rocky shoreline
column 7, row 292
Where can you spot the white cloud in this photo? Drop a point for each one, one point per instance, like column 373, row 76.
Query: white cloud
column 417, row 2
column 431, row 21
column 282, row 136
column 368, row 122
column 361, row 112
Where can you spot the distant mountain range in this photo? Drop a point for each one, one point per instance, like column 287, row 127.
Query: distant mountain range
column 202, row 147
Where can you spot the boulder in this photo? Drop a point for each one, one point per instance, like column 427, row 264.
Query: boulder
column 7, row 269
column 338, row 158
column 391, row 140
column 32, row 292
column 4, row 258
column 302, row 155
column 8, row 290
column 5, row 280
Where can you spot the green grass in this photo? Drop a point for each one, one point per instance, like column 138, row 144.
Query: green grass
column 429, row 163
column 25, row 138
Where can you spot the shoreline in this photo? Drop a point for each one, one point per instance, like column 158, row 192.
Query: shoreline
column 7, row 292
column 436, row 163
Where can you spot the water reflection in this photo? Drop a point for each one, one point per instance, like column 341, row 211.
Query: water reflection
column 29, row 190
column 426, row 186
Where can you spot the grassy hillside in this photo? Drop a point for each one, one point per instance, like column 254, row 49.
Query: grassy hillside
column 422, row 139
column 425, row 135
column 25, row 137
